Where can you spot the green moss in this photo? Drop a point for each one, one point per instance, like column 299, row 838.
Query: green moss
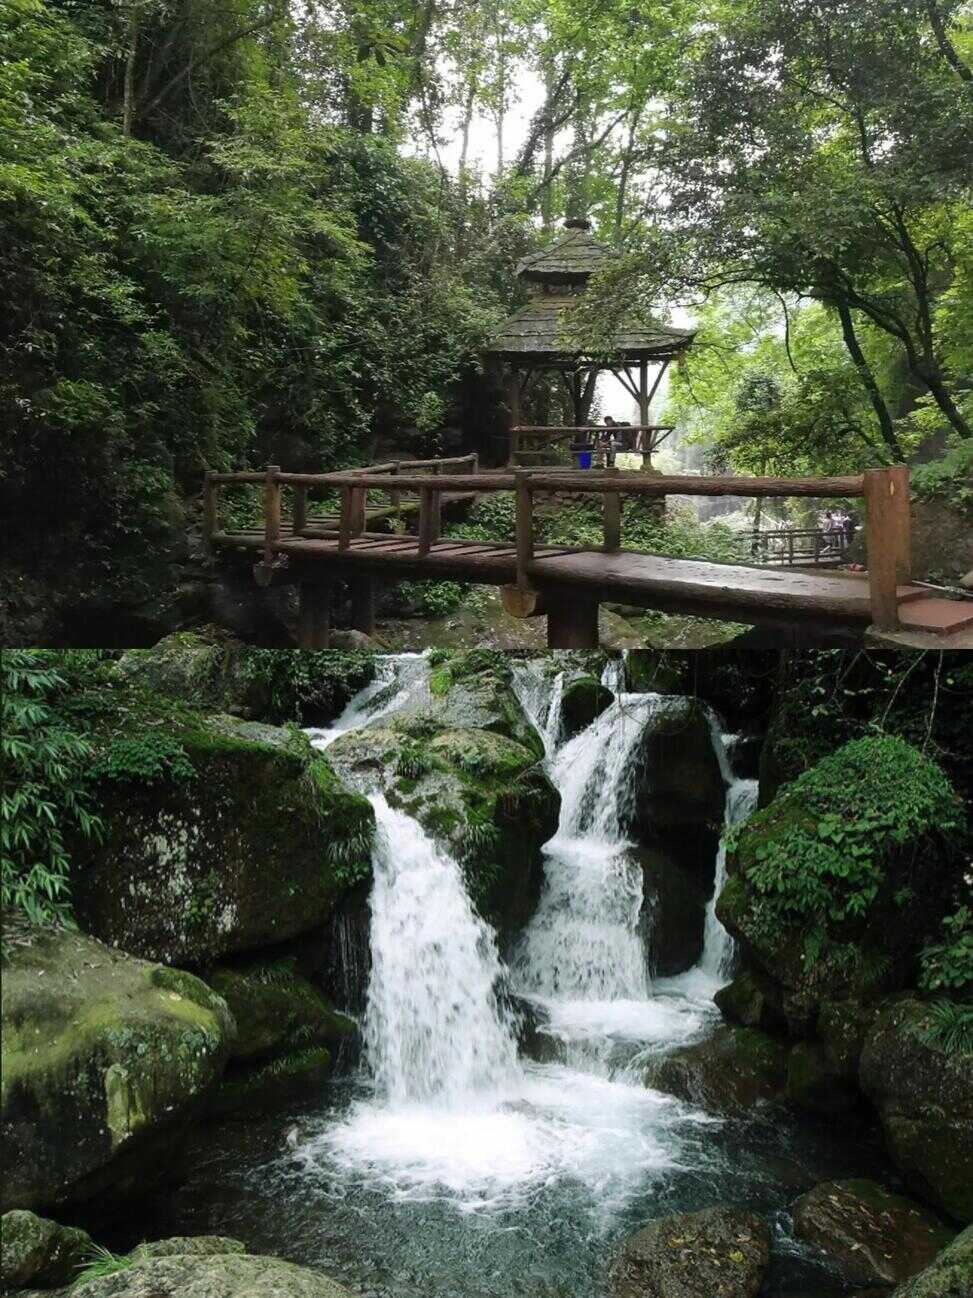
column 283, row 1077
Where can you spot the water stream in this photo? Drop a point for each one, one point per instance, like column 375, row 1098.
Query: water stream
column 453, row 1167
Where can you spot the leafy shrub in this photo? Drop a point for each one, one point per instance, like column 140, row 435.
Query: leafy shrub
column 947, row 965
column 949, row 478
column 44, row 792
column 303, row 681
column 817, row 857
column 950, row 1027
column 428, row 598
column 143, row 758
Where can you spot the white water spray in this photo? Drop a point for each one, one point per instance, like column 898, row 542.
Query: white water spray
column 399, row 680
column 433, row 1029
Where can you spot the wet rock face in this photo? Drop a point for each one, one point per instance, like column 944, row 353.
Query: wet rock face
column 924, row 1097
column 674, row 911
column 814, row 1085
column 211, row 1275
column 729, row 1073
column 37, row 1252
column 240, row 851
column 869, row 1235
column 716, row 1253
column 949, row 1276
column 584, row 698
column 752, row 1001
column 679, row 788
column 106, row 1060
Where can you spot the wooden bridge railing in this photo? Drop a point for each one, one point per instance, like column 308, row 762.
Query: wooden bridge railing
column 529, row 441
column 797, row 545
column 884, row 492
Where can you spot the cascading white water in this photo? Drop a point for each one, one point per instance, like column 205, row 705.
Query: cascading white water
column 399, row 680
column 540, row 694
column 718, row 946
column 433, row 1029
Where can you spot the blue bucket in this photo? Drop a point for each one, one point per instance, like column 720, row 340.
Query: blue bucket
column 584, row 459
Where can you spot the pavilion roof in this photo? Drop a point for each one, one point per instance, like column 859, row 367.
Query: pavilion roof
column 558, row 275
column 535, row 335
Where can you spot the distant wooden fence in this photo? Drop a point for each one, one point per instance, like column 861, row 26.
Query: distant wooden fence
column 797, row 545
column 534, row 442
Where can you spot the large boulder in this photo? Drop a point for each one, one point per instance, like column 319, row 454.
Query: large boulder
column 673, row 910
column 210, row 668
column 949, row 1276
column 211, row 1275
column 221, row 836
column 481, row 794
column 869, row 1235
column 924, row 1096
column 583, row 699
column 815, row 1085
column 36, row 1252
column 679, row 787
column 288, row 1036
column 473, row 690
column 836, row 884
column 716, row 1253
column 106, row 1059
column 729, row 1073
column 752, row 1001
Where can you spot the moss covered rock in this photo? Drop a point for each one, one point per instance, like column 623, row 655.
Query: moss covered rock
column 276, row 1009
column 474, row 691
column 181, row 1245
column 924, row 1097
column 729, row 1073
column 834, row 886
column 869, row 1235
column 583, row 699
column 106, row 1058
column 209, row 668
column 483, row 795
column 716, row 1253
column 815, row 1085
column 949, row 1276
column 211, row 1275
column 752, row 1001
column 39, row 1253
column 231, row 836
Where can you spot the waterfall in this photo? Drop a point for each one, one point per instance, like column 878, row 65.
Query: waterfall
column 399, row 680
column 718, row 946
column 433, row 1029
column 539, row 693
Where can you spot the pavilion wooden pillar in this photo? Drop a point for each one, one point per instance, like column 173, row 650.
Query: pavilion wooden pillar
column 644, row 412
column 513, row 409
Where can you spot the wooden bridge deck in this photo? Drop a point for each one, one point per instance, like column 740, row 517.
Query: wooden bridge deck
column 567, row 584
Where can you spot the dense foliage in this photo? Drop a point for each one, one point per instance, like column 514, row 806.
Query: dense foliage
column 44, row 796
column 821, row 854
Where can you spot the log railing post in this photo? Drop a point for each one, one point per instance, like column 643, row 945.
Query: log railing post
column 211, row 507
column 300, row 508
column 887, row 540
column 612, row 516
column 271, row 513
column 429, row 518
column 525, row 525
column 347, row 522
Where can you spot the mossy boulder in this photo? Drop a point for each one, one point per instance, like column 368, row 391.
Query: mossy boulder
column 679, row 790
column 484, row 796
column 924, row 1096
column 36, row 1252
column 473, row 690
column 729, row 1073
column 241, row 838
column 583, row 699
column 834, row 886
column 869, row 1235
column 209, row 668
column 106, row 1059
column 211, row 1275
column 716, row 1253
column 194, row 1245
column 276, row 1009
column 267, row 1083
column 950, row 1275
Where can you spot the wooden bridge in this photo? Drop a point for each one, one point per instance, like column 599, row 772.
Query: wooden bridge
column 352, row 542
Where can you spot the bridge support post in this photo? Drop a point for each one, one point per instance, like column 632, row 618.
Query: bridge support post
column 314, row 615
column 572, row 621
column 363, row 604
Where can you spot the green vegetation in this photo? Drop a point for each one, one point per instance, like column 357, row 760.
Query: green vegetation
column 103, row 1262
column 947, row 965
column 298, row 683
column 45, row 798
column 826, row 853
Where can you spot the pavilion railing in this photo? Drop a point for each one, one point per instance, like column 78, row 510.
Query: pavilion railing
column 797, row 545
column 532, row 442
column 884, row 492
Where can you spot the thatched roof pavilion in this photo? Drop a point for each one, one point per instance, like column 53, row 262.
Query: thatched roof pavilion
column 533, row 338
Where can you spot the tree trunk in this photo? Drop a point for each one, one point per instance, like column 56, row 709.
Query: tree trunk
column 867, row 378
